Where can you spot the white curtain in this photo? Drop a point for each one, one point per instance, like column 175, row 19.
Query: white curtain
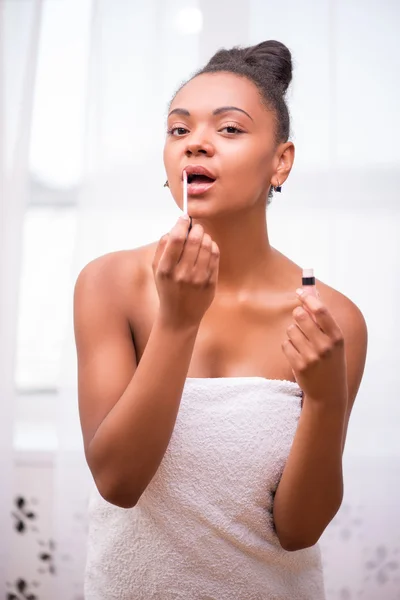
column 338, row 213
column 19, row 37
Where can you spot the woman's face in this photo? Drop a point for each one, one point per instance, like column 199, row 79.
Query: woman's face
column 218, row 121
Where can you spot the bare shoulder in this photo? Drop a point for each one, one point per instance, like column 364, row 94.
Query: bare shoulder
column 113, row 265
column 353, row 327
column 107, row 295
column 117, row 273
column 347, row 314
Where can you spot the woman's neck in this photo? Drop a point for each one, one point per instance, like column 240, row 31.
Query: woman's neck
column 246, row 256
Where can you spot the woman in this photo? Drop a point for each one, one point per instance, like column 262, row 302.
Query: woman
column 214, row 398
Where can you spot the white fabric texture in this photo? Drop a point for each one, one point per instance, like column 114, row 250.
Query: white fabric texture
column 203, row 528
column 19, row 38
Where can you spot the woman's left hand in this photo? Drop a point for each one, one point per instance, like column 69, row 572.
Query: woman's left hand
column 315, row 351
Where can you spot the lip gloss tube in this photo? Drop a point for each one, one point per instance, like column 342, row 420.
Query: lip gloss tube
column 308, row 282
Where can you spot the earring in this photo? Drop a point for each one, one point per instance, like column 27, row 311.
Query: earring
column 278, row 188
column 166, row 184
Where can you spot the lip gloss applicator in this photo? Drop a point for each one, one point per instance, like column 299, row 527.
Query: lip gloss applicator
column 185, row 200
column 185, row 183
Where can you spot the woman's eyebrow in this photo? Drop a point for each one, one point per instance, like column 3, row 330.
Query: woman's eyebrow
column 184, row 112
column 224, row 109
column 180, row 111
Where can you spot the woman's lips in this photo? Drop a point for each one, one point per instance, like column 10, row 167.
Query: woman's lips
column 196, row 188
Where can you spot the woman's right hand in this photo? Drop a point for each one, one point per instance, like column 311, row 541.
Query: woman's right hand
column 185, row 269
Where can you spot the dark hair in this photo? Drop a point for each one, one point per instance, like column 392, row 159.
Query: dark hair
column 269, row 66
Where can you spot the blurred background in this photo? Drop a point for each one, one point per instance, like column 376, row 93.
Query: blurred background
column 84, row 92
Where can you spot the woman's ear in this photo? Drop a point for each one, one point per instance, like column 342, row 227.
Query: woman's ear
column 284, row 163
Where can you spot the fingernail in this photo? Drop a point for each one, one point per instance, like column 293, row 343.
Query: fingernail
column 299, row 291
column 185, row 217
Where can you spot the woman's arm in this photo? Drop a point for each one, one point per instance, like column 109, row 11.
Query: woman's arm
column 127, row 411
column 330, row 366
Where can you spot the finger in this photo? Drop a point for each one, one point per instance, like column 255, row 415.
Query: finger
column 322, row 343
column 320, row 313
column 192, row 248
column 159, row 250
column 214, row 264
column 292, row 355
column 175, row 245
column 301, row 343
column 308, row 326
column 203, row 258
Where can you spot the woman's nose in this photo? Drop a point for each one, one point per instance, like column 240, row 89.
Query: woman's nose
column 195, row 148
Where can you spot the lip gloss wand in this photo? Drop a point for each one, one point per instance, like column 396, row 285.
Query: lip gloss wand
column 185, row 198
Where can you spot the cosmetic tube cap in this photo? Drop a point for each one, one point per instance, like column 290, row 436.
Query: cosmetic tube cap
column 308, row 277
column 308, row 272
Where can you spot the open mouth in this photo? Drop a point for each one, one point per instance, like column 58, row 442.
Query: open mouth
column 199, row 184
column 197, row 178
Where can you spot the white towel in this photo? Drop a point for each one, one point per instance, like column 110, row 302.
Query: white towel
column 203, row 529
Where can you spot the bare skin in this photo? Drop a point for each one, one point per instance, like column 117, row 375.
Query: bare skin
column 240, row 334
column 133, row 358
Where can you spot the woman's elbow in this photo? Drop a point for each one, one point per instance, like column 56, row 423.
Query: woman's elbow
column 114, row 495
column 109, row 484
column 293, row 545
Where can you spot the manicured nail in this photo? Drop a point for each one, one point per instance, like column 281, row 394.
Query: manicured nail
column 299, row 291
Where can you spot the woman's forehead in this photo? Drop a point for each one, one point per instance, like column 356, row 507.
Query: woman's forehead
column 209, row 91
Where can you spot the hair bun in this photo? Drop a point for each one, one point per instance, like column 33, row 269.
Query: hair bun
column 274, row 57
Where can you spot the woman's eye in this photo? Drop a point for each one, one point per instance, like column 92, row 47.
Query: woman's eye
column 180, row 131
column 232, row 129
column 177, row 131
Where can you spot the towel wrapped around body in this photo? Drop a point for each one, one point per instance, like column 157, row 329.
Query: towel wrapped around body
column 203, row 528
